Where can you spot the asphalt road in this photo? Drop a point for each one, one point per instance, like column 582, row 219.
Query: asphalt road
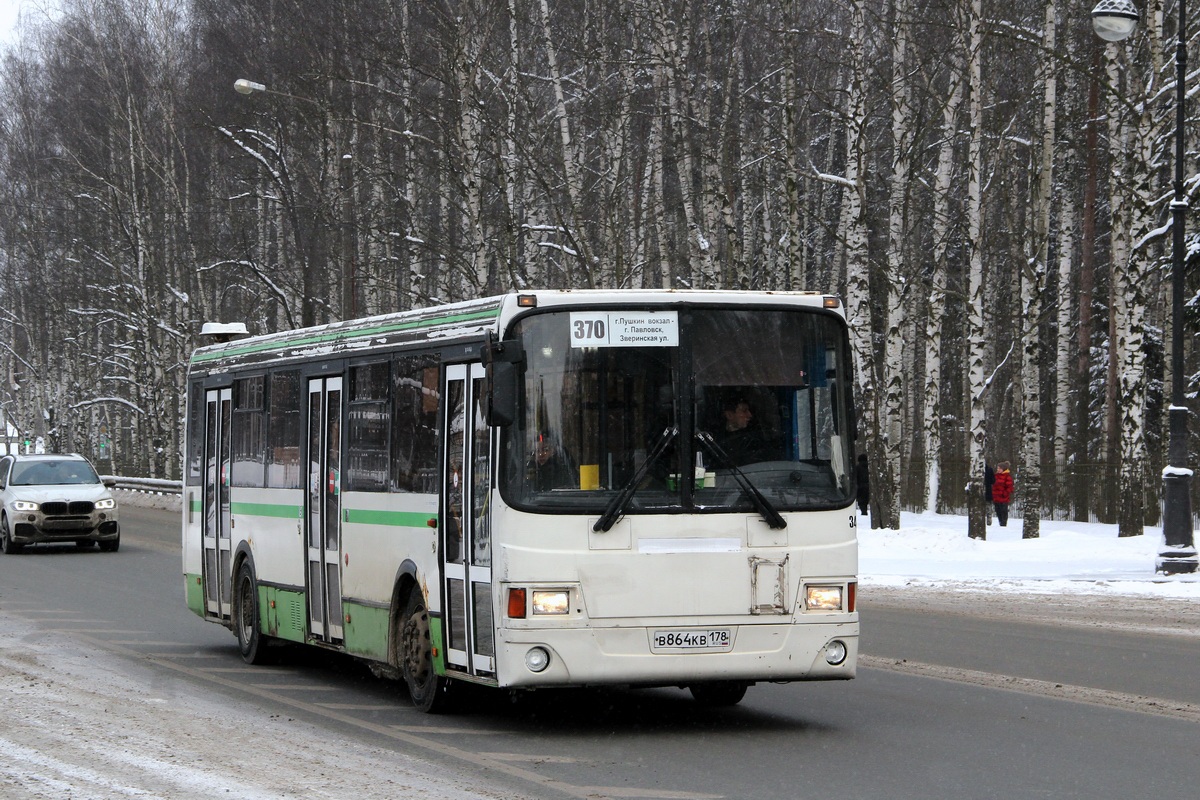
column 948, row 703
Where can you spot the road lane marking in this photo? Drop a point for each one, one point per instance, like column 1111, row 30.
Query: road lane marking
column 89, row 631
column 536, row 758
column 429, row 730
column 1157, row 706
column 183, row 655
column 645, row 794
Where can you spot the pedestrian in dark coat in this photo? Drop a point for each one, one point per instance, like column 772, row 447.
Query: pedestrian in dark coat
column 1002, row 491
column 862, row 477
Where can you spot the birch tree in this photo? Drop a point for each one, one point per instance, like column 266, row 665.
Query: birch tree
column 886, row 491
column 854, row 230
column 942, row 230
column 976, row 382
column 1033, row 284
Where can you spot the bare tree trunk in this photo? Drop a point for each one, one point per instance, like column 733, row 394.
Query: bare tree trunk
column 885, row 494
column 1033, row 288
column 942, row 183
column 854, row 228
column 976, row 343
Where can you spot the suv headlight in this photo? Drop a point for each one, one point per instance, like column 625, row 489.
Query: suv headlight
column 106, row 504
column 24, row 505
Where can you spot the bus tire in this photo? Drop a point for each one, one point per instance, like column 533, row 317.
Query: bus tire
column 428, row 690
column 251, row 641
column 716, row 694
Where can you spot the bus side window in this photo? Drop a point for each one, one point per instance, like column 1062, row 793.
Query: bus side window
column 284, row 432
column 415, row 429
column 249, row 443
column 370, row 420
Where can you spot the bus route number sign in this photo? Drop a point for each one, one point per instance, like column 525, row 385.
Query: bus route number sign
column 624, row 329
column 692, row 640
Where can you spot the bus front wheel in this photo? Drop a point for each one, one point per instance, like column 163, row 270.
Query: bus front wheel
column 427, row 689
column 251, row 641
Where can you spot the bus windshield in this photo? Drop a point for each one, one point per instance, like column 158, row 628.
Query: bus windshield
column 682, row 410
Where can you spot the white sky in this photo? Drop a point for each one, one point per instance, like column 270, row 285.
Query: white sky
column 1069, row 557
column 8, row 15
column 8, row 19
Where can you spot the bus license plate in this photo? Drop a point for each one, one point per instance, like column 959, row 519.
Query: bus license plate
column 691, row 640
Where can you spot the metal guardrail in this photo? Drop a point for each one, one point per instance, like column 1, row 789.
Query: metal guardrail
column 148, row 485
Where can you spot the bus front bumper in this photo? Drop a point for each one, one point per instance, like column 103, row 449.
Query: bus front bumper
column 627, row 655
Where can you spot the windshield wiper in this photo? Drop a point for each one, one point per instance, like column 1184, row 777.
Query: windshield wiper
column 613, row 512
column 773, row 518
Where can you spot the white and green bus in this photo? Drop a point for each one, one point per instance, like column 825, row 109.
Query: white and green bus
column 541, row 489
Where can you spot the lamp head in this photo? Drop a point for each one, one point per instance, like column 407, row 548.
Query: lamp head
column 1114, row 20
column 243, row 86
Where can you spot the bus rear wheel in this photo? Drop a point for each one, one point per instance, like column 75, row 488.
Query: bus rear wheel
column 718, row 693
column 428, row 690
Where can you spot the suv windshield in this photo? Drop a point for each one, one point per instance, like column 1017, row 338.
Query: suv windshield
column 43, row 473
column 740, row 396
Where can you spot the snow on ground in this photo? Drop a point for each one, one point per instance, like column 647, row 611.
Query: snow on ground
column 79, row 723
column 934, row 551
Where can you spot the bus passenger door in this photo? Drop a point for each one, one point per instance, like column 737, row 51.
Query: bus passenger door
column 217, row 583
column 323, row 520
column 466, row 528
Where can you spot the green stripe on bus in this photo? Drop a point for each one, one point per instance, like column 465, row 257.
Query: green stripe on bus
column 402, row 519
column 283, row 613
column 365, row 631
column 194, row 592
column 267, row 510
column 333, row 336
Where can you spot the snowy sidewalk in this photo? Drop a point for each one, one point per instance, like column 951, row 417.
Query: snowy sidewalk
column 1069, row 557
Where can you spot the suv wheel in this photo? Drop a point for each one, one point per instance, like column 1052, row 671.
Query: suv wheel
column 6, row 541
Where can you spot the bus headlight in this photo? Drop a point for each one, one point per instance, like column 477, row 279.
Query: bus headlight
column 551, row 601
column 835, row 653
column 823, row 598
column 537, row 659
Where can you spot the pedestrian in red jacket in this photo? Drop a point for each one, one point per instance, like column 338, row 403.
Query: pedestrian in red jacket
column 1002, row 491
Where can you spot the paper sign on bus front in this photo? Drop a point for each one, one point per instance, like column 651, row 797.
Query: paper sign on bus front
column 624, row 329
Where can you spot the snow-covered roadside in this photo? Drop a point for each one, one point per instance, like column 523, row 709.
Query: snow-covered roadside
column 84, row 724
column 166, row 502
column 933, row 552
column 1076, row 574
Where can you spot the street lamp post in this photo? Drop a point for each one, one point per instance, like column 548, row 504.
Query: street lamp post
column 1113, row 21
column 349, row 287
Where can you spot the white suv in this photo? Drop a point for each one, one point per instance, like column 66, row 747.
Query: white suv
column 55, row 498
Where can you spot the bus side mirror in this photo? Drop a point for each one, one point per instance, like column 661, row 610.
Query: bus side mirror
column 501, row 399
column 501, row 408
